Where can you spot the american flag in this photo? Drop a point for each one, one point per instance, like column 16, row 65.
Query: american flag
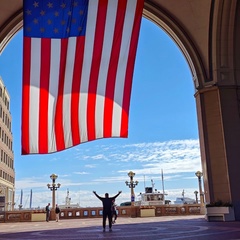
column 78, row 62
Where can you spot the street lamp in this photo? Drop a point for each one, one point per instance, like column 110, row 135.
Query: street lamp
column 199, row 175
column 132, row 184
column 196, row 193
column 53, row 187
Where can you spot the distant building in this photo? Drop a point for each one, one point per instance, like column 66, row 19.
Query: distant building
column 68, row 203
column 7, row 173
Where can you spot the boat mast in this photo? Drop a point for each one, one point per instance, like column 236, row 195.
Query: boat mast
column 30, row 199
column 153, row 184
column 144, row 184
column 20, row 205
column 183, row 193
column 163, row 186
column 163, row 183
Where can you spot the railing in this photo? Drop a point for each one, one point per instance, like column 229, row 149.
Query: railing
column 96, row 212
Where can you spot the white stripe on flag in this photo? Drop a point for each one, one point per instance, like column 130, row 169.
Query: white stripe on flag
column 34, row 94
column 53, row 92
column 67, row 92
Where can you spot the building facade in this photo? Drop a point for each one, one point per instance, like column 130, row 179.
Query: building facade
column 7, row 172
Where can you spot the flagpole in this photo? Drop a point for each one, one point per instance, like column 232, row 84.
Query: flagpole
column 144, row 184
column 30, row 206
column 163, row 183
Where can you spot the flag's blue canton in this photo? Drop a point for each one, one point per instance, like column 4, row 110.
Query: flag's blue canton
column 55, row 18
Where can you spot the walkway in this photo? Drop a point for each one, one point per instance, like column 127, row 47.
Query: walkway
column 153, row 228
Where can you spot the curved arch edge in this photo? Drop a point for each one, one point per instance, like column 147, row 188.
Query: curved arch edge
column 10, row 29
column 153, row 14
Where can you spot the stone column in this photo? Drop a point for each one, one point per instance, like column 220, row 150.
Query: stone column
column 219, row 132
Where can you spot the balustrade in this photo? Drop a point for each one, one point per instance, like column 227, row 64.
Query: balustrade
column 96, row 212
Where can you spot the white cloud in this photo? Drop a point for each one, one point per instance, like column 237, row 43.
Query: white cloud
column 90, row 166
column 81, row 173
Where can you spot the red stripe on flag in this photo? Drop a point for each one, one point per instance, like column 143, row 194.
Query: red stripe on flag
column 26, row 94
column 130, row 68
column 43, row 95
column 59, row 129
column 113, row 64
column 93, row 81
column 76, row 90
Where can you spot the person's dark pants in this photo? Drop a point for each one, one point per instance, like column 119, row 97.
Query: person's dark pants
column 114, row 215
column 47, row 215
column 109, row 216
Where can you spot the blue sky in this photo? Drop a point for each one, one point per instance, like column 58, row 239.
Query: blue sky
column 163, row 133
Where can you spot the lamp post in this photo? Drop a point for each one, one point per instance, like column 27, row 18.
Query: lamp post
column 199, row 176
column 53, row 187
column 132, row 184
column 196, row 193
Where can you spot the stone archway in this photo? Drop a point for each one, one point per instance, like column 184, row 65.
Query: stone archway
column 217, row 95
column 208, row 33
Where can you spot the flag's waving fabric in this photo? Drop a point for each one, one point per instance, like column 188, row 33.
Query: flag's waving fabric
column 78, row 61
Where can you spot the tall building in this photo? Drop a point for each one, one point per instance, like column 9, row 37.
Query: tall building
column 7, row 173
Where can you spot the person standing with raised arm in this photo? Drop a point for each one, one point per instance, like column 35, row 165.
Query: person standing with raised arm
column 107, row 208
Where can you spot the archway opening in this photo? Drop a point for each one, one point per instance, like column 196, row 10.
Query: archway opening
column 163, row 132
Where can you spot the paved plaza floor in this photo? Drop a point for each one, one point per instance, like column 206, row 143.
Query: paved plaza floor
column 151, row 228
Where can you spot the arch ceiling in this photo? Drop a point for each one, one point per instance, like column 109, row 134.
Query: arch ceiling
column 186, row 21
